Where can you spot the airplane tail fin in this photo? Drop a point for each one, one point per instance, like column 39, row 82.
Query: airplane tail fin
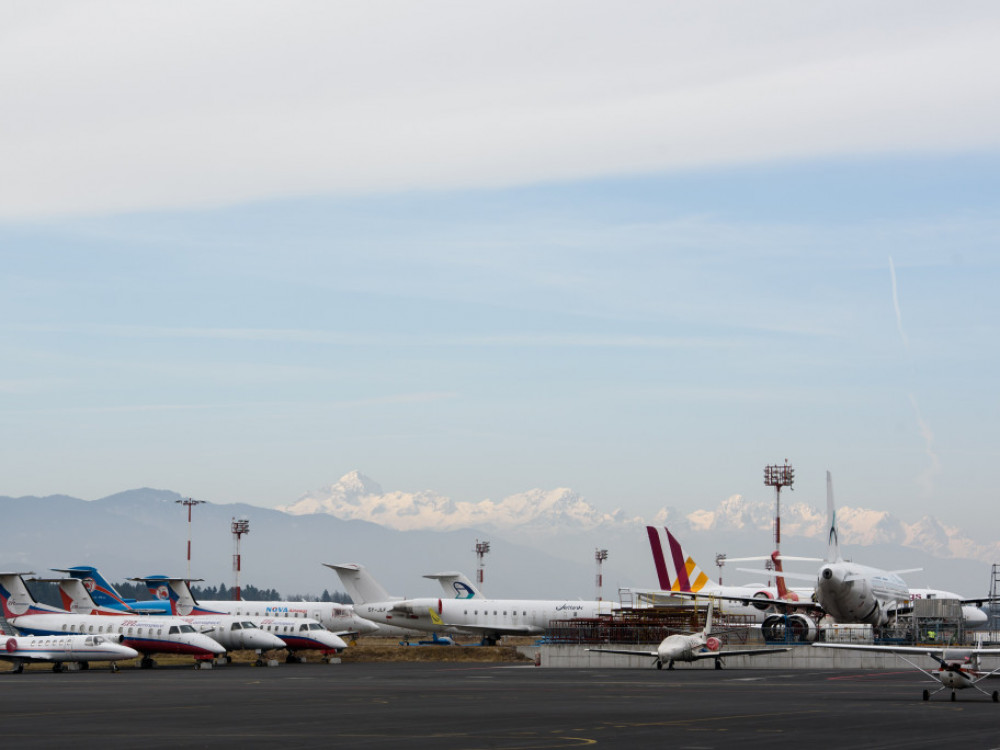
column 360, row 585
column 76, row 598
column 101, row 590
column 687, row 576
column 174, row 590
column 832, row 542
column 456, row 585
column 708, row 619
column 17, row 599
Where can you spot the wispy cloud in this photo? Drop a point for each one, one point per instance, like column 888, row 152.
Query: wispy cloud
column 223, row 103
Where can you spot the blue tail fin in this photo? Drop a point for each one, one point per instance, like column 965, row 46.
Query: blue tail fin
column 101, row 590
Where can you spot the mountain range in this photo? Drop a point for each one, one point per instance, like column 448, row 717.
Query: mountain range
column 543, row 542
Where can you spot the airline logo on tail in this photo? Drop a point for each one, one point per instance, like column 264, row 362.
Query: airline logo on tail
column 687, row 576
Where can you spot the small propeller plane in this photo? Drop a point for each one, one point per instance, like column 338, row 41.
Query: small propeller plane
column 958, row 668
column 691, row 647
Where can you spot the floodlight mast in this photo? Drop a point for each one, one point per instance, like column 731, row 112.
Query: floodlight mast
column 240, row 526
column 481, row 549
column 600, row 556
column 778, row 476
column 189, row 503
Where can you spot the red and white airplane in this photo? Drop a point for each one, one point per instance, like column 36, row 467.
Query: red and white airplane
column 958, row 668
column 59, row 649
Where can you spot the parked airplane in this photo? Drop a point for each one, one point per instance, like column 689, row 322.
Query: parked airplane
column 337, row 618
column 958, row 668
column 231, row 632
column 297, row 633
column 147, row 634
column 489, row 618
column 691, row 647
column 59, row 649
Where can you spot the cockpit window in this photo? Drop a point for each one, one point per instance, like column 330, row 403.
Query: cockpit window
column 236, row 626
column 173, row 630
column 315, row 626
column 187, row 629
column 248, row 626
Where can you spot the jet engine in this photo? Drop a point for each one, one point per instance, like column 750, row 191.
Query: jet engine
column 713, row 644
column 762, row 600
column 797, row 627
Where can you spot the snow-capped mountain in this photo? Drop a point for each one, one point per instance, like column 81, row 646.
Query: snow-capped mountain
column 537, row 513
column 357, row 497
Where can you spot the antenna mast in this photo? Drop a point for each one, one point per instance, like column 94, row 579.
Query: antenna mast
column 189, row 503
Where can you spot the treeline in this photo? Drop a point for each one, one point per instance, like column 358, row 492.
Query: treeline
column 48, row 593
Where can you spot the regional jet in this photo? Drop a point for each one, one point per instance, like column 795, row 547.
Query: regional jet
column 489, row 618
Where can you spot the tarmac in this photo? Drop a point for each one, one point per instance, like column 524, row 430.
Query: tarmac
column 477, row 705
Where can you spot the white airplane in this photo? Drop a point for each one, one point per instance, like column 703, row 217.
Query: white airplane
column 146, row 634
column 489, row 618
column 296, row 633
column 59, row 649
column 337, row 618
column 231, row 632
column 691, row 647
column 958, row 668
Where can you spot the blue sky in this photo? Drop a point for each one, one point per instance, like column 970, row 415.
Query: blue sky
column 640, row 260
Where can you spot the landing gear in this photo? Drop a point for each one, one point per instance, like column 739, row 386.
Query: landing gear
column 671, row 664
column 84, row 665
column 18, row 668
column 952, row 696
column 57, row 667
column 659, row 664
column 927, row 695
column 114, row 666
column 718, row 663
column 146, row 663
column 996, row 696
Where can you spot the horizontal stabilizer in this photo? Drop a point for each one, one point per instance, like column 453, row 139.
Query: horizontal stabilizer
column 776, row 574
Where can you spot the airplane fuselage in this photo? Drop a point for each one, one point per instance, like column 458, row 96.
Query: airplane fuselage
column 852, row 593
column 476, row 616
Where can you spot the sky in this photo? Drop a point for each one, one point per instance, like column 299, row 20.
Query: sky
column 640, row 251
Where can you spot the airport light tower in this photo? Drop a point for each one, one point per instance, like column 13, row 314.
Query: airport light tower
column 481, row 549
column 600, row 556
column 240, row 526
column 778, row 477
column 189, row 504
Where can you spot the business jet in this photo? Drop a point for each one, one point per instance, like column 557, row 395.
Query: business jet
column 60, row 649
column 691, row 647
column 958, row 668
column 147, row 634
column 339, row 619
column 296, row 633
column 231, row 632
column 489, row 618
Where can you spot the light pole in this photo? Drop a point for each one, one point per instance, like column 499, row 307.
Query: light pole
column 240, row 527
column 600, row 556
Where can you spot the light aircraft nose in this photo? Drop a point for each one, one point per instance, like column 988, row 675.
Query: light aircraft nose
column 122, row 652
column 366, row 627
column 328, row 639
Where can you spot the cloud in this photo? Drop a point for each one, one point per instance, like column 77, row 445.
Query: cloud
column 216, row 103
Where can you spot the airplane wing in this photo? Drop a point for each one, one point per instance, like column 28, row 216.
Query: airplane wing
column 931, row 651
column 783, row 574
column 653, row 654
column 738, row 652
column 807, row 605
column 506, row 630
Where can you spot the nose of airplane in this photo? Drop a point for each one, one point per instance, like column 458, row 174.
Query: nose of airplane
column 366, row 627
column 330, row 640
column 124, row 652
column 208, row 644
column 261, row 639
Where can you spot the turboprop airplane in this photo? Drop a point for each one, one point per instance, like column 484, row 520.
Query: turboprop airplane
column 691, row 647
column 489, row 618
column 231, row 632
column 958, row 668
column 297, row 633
column 339, row 619
column 146, row 634
column 59, row 649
